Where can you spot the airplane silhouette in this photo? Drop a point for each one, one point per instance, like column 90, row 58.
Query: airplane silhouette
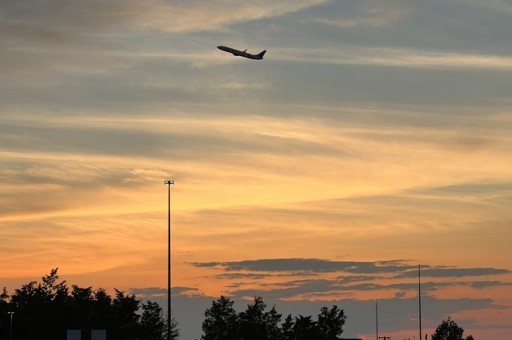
column 243, row 53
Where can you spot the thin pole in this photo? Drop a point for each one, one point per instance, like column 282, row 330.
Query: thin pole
column 419, row 296
column 376, row 321
column 168, row 183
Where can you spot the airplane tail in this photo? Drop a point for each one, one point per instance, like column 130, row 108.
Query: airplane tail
column 261, row 54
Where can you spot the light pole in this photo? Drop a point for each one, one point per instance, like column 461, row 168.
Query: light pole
column 376, row 321
column 10, row 328
column 168, row 182
column 419, row 297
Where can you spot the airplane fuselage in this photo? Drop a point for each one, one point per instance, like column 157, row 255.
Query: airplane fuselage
column 244, row 54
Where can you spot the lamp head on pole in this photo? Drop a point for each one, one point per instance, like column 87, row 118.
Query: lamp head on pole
column 168, row 182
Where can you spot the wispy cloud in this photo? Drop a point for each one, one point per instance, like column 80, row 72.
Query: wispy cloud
column 496, row 5
column 456, row 272
column 52, row 18
column 317, row 279
column 318, row 266
column 395, row 57
column 372, row 15
column 371, row 130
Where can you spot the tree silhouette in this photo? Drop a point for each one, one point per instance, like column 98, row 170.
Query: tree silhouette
column 45, row 310
column 40, row 308
column 449, row 330
column 305, row 328
column 287, row 328
column 222, row 322
column 256, row 324
column 330, row 322
column 175, row 332
column 152, row 324
column 4, row 314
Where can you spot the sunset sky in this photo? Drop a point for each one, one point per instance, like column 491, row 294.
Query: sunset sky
column 375, row 135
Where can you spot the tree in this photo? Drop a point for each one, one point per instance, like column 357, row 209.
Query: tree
column 287, row 328
column 44, row 310
column 80, row 308
column 221, row 321
column 126, row 317
column 4, row 314
column 305, row 328
column 252, row 321
column 40, row 308
column 330, row 322
column 449, row 330
column 152, row 326
column 175, row 332
column 102, row 310
column 255, row 323
column 274, row 331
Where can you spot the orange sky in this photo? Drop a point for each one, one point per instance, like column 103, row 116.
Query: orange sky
column 372, row 134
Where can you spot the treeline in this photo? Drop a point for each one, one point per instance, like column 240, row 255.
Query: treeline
column 47, row 309
column 223, row 322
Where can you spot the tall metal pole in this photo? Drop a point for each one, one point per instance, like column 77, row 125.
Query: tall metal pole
column 168, row 182
column 376, row 321
column 419, row 297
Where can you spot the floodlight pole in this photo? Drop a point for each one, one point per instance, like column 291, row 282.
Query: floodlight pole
column 376, row 321
column 168, row 182
column 419, row 297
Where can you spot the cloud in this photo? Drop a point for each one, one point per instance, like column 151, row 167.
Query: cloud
column 347, row 279
column 304, row 266
column 323, row 289
column 395, row 57
column 237, row 276
column 456, row 272
column 156, row 293
column 370, row 15
column 53, row 17
column 149, row 292
column 384, row 276
column 373, row 130
column 498, row 6
column 46, row 39
column 489, row 284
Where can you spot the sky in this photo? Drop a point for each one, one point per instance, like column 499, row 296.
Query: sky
column 375, row 136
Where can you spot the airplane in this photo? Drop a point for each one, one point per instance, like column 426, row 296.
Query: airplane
column 243, row 53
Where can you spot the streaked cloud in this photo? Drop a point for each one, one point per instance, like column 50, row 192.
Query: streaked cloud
column 457, row 272
column 371, row 14
column 370, row 131
column 51, row 17
column 298, row 266
column 288, row 283
column 496, row 5
column 397, row 57
column 309, row 265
